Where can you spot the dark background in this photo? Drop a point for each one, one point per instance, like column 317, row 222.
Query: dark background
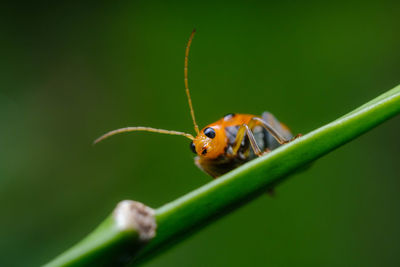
column 71, row 71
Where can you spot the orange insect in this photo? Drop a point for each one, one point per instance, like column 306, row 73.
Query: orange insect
column 229, row 142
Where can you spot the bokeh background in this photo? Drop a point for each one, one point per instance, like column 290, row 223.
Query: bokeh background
column 71, row 71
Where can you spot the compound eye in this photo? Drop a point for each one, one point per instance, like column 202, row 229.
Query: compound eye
column 193, row 147
column 209, row 132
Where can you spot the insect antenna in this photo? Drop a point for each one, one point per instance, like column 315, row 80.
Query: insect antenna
column 143, row 129
column 196, row 127
column 162, row 131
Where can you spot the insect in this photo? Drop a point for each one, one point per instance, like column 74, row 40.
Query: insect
column 227, row 143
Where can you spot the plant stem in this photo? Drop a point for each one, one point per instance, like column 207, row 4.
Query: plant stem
column 187, row 214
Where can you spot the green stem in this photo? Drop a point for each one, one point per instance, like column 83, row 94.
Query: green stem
column 187, row 214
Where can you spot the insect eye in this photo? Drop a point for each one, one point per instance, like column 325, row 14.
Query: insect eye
column 193, row 147
column 209, row 132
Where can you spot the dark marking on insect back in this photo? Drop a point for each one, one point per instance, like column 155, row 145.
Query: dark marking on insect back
column 204, row 152
column 229, row 116
column 266, row 139
column 231, row 132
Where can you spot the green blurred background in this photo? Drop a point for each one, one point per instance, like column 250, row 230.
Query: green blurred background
column 71, row 71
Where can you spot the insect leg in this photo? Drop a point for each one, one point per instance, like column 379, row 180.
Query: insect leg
column 246, row 129
column 253, row 142
column 281, row 139
column 277, row 125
